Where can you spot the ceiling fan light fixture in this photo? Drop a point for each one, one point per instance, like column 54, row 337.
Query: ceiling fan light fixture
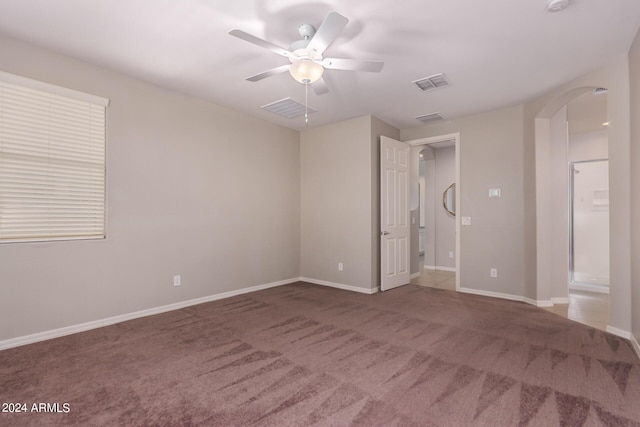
column 557, row 5
column 306, row 71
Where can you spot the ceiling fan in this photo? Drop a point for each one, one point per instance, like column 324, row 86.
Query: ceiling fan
column 307, row 62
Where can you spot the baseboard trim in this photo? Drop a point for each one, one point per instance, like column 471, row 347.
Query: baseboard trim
column 542, row 303
column 439, row 267
column 635, row 345
column 537, row 303
column 619, row 332
column 562, row 300
column 339, row 286
column 589, row 288
column 414, row 275
column 82, row 327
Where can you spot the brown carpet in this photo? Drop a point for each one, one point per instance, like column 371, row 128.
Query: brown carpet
column 303, row 354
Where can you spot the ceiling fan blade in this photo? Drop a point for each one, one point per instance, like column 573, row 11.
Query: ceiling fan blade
column 269, row 73
column 352, row 64
column 320, row 86
column 262, row 43
column 329, row 30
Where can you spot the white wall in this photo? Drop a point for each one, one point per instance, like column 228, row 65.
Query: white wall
column 193, row 189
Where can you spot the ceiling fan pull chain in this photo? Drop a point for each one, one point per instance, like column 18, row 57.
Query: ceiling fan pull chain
column 306, row 104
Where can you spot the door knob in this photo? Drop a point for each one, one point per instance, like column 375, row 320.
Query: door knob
column 384, row 233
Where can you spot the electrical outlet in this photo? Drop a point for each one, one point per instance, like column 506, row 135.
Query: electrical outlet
column 450, row 254
column 177, row 281
column 494, row 272
column 340, row 266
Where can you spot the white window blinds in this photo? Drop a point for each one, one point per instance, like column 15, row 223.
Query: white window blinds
column 52, row 162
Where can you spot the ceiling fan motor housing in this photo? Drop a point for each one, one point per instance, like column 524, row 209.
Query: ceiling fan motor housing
column 306, row 31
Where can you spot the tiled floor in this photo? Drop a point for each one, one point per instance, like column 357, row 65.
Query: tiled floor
column 436, row 279
column 590, row 308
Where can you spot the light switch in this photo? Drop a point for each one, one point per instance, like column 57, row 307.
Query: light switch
column 466, row 220
column 495, row 192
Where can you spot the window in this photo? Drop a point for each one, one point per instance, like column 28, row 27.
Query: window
column 52, row 162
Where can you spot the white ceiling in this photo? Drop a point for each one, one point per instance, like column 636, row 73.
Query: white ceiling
column 494, row 53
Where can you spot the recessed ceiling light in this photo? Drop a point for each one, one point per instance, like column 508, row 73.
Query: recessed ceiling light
column 557, row 5
column 605, row 124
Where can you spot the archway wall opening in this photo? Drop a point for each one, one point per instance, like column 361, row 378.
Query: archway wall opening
column 538, row 116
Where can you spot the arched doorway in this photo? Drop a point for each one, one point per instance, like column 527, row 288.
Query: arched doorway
column 562, row 141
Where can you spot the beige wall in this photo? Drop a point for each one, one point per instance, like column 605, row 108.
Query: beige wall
column 634, row 72
column 588, row 145
column 491, row 153
column 193, row 189
column 340, row 202
column 557, row 196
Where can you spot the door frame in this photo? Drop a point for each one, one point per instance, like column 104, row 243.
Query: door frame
column 435, row 140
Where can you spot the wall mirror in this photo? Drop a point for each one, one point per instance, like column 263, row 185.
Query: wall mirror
column 449, row 199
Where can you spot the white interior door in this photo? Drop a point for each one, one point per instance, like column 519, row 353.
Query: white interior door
column 394, row 213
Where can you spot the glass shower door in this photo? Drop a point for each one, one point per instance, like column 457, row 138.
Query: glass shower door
column 589, row 233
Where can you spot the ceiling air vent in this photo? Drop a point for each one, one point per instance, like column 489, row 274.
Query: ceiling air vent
column 432, row 117
column 431, row 82
column 287, row 108
column 600, row 90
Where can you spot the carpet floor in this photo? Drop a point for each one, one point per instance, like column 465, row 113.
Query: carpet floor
column 302, row 354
